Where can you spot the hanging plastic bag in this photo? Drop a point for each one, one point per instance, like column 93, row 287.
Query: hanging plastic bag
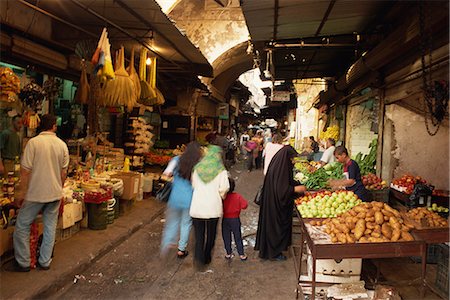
column 96, row 55
column 108, row 70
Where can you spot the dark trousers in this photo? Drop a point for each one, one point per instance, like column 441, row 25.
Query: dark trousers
column 232, row 225
column 250, row 161
column 258, row 160
column 205, row 237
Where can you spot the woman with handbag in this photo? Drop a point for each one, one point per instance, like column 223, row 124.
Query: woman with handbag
column 274, row 231
column 179, row 203
column 210, row 183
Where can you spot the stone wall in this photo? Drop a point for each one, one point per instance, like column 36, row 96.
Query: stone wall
column 358, row 135
column 410, row 149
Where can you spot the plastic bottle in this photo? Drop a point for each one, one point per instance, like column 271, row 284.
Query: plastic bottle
column 126, row 165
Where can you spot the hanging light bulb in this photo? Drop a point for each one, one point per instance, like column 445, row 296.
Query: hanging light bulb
column 148, row 61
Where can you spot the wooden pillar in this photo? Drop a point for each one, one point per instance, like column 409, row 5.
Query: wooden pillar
column 381, row 113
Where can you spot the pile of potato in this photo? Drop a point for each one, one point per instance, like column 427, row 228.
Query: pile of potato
column 373, row 222
column 428, row 218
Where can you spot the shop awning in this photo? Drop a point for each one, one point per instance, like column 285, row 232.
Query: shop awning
column 312, row 38
column 132, row 23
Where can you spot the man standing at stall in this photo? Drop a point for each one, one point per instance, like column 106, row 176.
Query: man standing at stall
column 328, row 154
column 10, row 146
column 43, row 172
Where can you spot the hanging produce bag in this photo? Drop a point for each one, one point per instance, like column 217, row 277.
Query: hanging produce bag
column 103, row 61
column 32, row 95
column 83, row 91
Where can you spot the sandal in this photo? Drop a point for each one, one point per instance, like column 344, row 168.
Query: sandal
column 243, row 257
column 229, row 256
column 182, row 254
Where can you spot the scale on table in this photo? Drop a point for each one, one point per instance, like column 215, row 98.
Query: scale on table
column 421, row 195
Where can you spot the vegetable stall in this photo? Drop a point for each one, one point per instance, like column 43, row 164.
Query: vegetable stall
column 338, row 230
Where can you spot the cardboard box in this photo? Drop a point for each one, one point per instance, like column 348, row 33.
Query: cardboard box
column 131, row 182
column 66, row 220
column 331, row 271
column 77, row 211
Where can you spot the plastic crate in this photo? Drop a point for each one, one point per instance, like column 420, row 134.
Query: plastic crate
column 442, row 270
column 380, row 195
column 432, row 254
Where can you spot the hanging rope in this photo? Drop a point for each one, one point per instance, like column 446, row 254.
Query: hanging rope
column 435, row 94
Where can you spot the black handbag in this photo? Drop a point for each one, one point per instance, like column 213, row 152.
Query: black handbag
column 164, row 193
column 258, row 196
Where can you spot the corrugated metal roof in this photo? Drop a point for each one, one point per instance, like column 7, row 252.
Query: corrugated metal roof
column 143, row 20
column 293, row 20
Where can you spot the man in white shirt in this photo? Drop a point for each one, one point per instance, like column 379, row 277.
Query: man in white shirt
column 43, row 172
column 328, row 155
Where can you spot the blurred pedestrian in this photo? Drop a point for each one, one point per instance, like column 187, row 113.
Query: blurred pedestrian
column 43, row 172
column 274, row 231
column 259, row 139
column 231, row 223
column 210, row 183
column 270, row 150
column 178, row 219
column 250, row 148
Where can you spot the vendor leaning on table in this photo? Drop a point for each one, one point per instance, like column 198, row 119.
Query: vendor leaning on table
column 352, row 174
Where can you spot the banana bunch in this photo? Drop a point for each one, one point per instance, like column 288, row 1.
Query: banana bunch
column 31, row 120
column 330, row 132
column 34, row 121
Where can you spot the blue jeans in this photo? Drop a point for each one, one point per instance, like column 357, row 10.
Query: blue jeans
column 176, row 220
column 232, row 225
column 27, row 213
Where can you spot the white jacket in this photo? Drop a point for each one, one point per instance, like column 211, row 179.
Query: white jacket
column 207, row 197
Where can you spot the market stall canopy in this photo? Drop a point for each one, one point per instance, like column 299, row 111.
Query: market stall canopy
column 311, row 38
column 78, row 24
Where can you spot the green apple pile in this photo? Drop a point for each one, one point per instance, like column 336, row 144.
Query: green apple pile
column 434, row 207
column 328, row 205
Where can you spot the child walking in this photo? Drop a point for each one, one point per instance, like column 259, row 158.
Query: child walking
column 232, row 206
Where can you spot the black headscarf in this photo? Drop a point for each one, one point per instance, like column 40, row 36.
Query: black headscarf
column 276, row 207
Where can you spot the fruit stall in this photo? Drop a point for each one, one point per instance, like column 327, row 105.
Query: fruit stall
column 356, row 231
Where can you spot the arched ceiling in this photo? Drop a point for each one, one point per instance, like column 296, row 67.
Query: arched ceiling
column 221, row 34
column 228, row 67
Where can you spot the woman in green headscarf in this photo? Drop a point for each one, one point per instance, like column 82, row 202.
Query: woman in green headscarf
column 210, row 183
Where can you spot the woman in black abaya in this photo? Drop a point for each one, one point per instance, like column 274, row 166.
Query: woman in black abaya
column 276, row 206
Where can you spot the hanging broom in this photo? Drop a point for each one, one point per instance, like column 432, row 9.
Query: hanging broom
column 135, row 78
column 147, row 93
column 159, row 100
column 121, row 90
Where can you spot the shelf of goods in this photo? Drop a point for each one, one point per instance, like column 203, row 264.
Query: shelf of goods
column 10, row 86
column 367, row 230
column 139, row 141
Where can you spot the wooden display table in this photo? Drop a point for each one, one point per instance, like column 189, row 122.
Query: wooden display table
column 321, row 250
column 431, row 236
